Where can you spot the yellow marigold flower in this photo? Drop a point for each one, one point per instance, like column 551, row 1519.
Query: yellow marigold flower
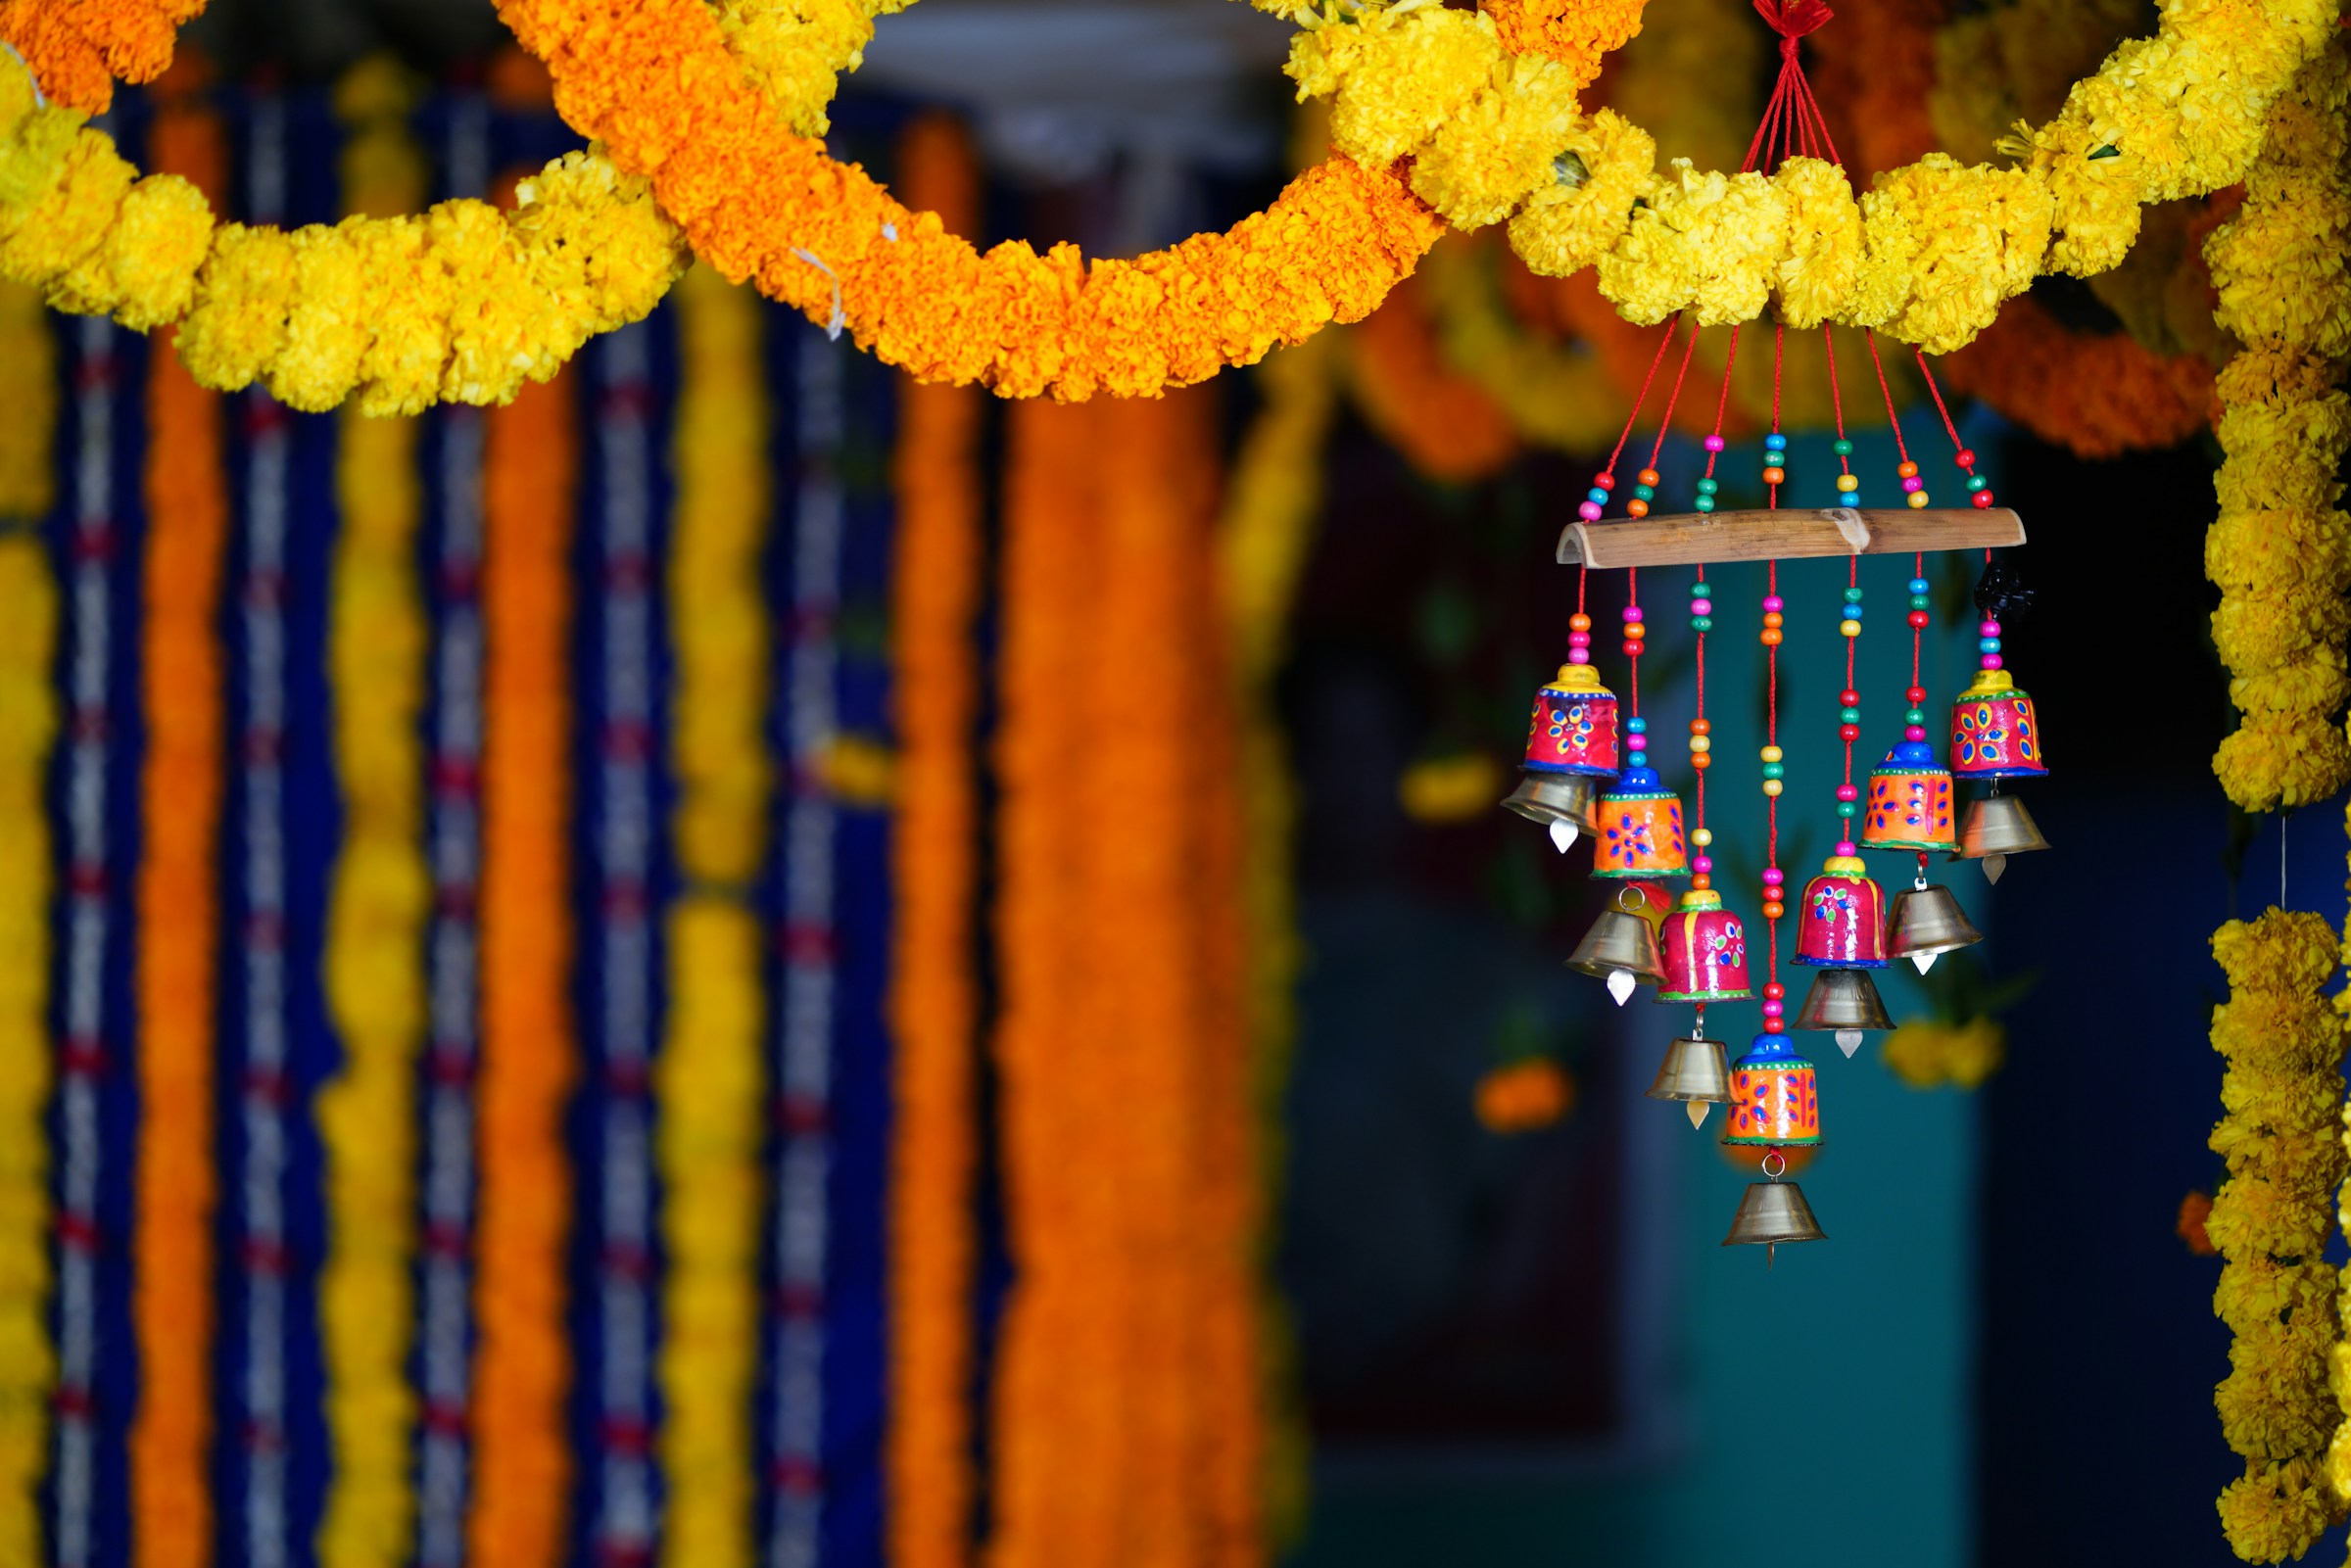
column 1609, row 164
column 1823, row 265
column 2290, row 760
column 1492, row 153
column 330, row 323
column 1926, row 1054
column 796, row 50
column 69, row 218
column 2303, row 549
column 243, row 297
column 400, row 374
column 2250, row 1214
column 1710, row 241
column 2276, row 1511
column 2257, row 1293
column 2291, row 951
column 2275, row 1402
column 1968, row 239
column 2261, row 629
column 2314, row 683
column 143, row 271
column 1395, row 75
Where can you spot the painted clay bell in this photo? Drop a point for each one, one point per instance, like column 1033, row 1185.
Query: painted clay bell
column 1775, row 1096
column 1571, row 751
column 1706, row 952
column 1995, row 732
column 1842, row 922
column 1909, row 803
column 1639, row 828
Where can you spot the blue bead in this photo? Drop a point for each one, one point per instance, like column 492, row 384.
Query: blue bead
column 1919, row 584
column 1988, row 645
column 1636, row 726
column 1597, row 494
column 1851, row 612
column 1776, row 441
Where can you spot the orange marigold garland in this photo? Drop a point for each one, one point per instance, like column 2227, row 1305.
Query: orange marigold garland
column 2098, row 394
column 932, row 1001
column 1442, row 421
column 523, row 1366
column 79, row 48
column 178, row 924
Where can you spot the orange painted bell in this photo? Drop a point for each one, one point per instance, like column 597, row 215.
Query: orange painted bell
column 1775, row 1097
column 1640, row 830
column 1706, row 952
column 1909, row 804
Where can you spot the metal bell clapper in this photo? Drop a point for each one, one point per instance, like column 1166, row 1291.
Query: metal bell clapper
column 1995, row 828
column 1845, row 1001
column 1571, row 750
column 1639, row 828
column 1773, row 1212
column 1621, row 947
column 1706, row 952
column 1909, row 804
column 1926, row 923
column 1695, row 1070
column 1841, row 924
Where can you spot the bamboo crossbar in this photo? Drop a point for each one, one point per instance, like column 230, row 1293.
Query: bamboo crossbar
column 1689, row 538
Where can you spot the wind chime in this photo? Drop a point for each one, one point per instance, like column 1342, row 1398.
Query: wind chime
column 1588, row 771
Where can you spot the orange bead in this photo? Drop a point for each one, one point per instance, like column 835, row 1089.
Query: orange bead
column 1649, row 476
column 1637, row 507
column 1775, row 476
column 1701, row 761
column 1635, row 632
column 1701, row 726
column 1774, row 618
column 1774, row 911
column 1579, row 623
column 1908, row 470
column 1701, row 881
column 1771, row 637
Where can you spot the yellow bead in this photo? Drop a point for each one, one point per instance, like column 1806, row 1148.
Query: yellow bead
column 1850, row 629
column 1918, row 500
column 1771, row 786
column 1701, row 836
column 1773, row 755
column 1700, row 744
column 1848, row 483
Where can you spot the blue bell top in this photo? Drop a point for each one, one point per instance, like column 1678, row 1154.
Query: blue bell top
column 1912, row 756
column 1638, row 779
column 1768, row 1050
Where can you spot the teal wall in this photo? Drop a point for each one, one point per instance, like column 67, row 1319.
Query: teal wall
column 1848, row 1370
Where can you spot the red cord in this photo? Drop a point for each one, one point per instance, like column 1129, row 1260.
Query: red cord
column 1828, row 345
column 1723, row 403
column 1918, row 570
column 1666, row 420
column 1892, row 418
column 1642, row 401
column 1771, row 737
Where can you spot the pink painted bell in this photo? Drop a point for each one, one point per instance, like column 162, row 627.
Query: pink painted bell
column 1775, row 1097
column 1909, row 804
column 1639, row 828
column 1995, row 734
column 1842, row 922
column 1706, row 952
column 1575, row 726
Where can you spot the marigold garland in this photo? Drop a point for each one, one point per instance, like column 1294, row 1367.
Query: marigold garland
column 80, row 49
column 27, row 727
column 29, row 359
column 380, row 902
column 530, row 1052
column 932, row 1003
column 2281, row 549
column 1444, row 423
column 178, row 922
column 2283, row 1045
column 709, row 1079
column 462, row 304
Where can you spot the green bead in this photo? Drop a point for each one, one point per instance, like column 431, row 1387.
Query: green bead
column 1848, row 715
column 1700, row 590
column 1705, row 504
column 1844, row 448
column 1915, row 716
column 1701, row 623
column 1644, row 491
column 1920, row 601
column 1848, row 808
column 1775, row 770
column 1976, row 482
column 1852, row 595
column 1707, row 487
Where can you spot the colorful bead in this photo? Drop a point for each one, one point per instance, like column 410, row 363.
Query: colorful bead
column 1701, row 726
column 1915, row 716
column 1918, row 620
column 1707, row 487
column 1917, row 500
column 1965, row 458
column 1636, row 726
column 1772, row 788
column 1705, row 504
column 1699, row 746
column 1773, row 605
column 1988, row 627
column 1988, row 645
column 1636, row 508
column 1919, row 584
column 1589, row 512
column 1916, row 696
column 1702, row 837
column 1908, row 469
column 1771, row 637
column 1775, row 770
column 1702, row 605
column 1849, row 732
column 1852, row 595
column 1848, row 793
column 1920, row 601
column 1713, row 444
column 1842, row 447
column 1850, row 612
column 1579, row 622
column 1914, row 732
column 1976, row 482
column 1597, row 496
column 1775, row 476
column 1644, row 491
column 1775, row 441
column 1605, row 481
column 1848, row 808
column 1850, row 715
column 1850, row 628
column 1848, row 483
column 1701, row 864
column 1648, row 476
column 1772, row 754
column 1982, row 498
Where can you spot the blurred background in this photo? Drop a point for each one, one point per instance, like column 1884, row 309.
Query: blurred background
column 1497, row 1333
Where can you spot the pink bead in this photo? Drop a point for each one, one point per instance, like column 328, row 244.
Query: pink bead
column 1914, row 732
column 1773, row 877
column 1846, row 849
column 1989, row 628
column 1588, row 510
column 1578, row 656
column 1773, row 1009
column 1848, row 793
column 1579, row 640
column 1773, row 605
column 1714, row 444
column 1913, row 484
column 1991, row 661
column 1703, row 864
column 1632, row 614
column 1701, row 606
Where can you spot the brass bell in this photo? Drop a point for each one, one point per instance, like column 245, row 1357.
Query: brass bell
column 1926, row 924
column 1995, row 828
column 1772, row 1212
column 1846, row 1001
column 1566, row 803
column 1621, row 947
column 1696, row 1071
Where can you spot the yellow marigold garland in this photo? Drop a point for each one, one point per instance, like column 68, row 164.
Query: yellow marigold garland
column 376, row 915
column 28, row 360
column 179, row 925
column 2283, row 1045
column 932, row 1003
column 461, row 303
column 522, row 1363
column 27, row 726
column 2280, row 548
column 710, row 1081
